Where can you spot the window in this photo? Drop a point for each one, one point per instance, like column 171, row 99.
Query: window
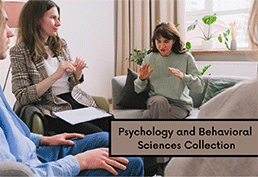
column 227, row 11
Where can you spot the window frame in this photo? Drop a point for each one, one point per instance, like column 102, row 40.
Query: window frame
column 208, row 9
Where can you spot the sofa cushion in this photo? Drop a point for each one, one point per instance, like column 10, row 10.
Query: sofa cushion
column 127, row 113
column 198, row 97
column 216, row 86
column 129, row 98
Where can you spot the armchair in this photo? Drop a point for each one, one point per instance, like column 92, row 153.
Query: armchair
column 14, row 169
column 34, row 118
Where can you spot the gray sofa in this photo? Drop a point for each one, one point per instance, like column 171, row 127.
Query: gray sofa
column 118, row 84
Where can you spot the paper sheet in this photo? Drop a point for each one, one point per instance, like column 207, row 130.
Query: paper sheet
column 77, row 116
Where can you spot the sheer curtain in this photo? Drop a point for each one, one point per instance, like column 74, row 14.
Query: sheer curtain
column 135, row 21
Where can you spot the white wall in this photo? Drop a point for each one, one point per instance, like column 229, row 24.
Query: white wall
column 88, row 28
column 227, row 68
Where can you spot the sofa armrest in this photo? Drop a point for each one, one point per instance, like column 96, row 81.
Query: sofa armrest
column 15, row 169
column 197, row 98
column 37, row 124
column 118, row 84
column 102, row 102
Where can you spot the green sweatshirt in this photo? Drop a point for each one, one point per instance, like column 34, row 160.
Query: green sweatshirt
column 163, row 82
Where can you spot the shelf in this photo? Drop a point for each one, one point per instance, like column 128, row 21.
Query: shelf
column 225, row 55
column 225, row 51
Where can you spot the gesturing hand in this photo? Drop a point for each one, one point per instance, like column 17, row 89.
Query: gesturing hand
column 144, row 71
column 177, row 73
column 60, row 139
column 63, row 66
column 79, row 63
column 99, row 159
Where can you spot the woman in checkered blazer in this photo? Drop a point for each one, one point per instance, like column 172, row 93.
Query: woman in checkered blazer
column 43, row 72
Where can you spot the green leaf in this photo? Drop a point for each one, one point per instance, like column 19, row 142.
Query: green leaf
column 188, row 45
column 227, row 45
column 209, row 19
column 192, row 26
column 177, row 25
column 205, row 69
column 228, row 31
column 220, row 38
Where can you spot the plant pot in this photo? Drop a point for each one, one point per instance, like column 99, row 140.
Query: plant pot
column 207, row 45
column 233, row 45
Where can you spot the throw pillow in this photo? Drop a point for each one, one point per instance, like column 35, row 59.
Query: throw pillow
column 216, row 86
column 129, row 98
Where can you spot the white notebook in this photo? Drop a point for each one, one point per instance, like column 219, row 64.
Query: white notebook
column 77, row 116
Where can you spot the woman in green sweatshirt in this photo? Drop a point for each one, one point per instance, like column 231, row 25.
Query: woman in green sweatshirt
column 169, row 72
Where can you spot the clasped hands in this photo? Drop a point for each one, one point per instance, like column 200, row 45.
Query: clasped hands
column 76, row 67
column 91, row 159
column 145, row 72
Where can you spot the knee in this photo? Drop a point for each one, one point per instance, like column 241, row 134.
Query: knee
column 103, row 138
column 158, row 101
column 137, row 161
column 136, row 165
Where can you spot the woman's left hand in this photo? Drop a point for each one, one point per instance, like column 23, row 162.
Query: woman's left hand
column 79, row 63
column 177, row 73
column 60, row 139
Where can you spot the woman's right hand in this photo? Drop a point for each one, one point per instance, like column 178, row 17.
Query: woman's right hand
column 144, row 71
column 99, row 159
column 63, row 66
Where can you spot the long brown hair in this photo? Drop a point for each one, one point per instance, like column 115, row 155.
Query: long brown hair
column 252, row 24
column 168, row 31
column 29, row 29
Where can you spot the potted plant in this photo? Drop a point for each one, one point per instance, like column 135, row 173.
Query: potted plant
column 137, row 56
column 234, row 27
column 208, row 20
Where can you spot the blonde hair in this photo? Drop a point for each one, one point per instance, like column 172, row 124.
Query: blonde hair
column 252, row 24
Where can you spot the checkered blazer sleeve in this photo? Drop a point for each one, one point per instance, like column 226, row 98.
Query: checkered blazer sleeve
column 24, row 75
